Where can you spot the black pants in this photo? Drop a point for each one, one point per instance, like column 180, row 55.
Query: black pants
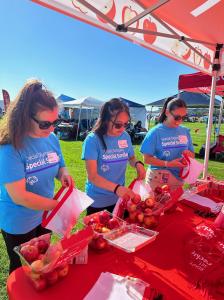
column 92, row 210
column 12, row 240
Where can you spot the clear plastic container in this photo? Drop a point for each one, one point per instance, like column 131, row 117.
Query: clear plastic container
column 130, row 237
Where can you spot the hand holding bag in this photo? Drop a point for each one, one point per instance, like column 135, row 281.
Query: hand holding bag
column 191, row 172
column 71, row 203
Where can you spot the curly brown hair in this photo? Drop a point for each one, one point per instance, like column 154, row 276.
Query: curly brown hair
column 16, row 124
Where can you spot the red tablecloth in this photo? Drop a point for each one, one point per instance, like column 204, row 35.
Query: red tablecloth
column 160, row 263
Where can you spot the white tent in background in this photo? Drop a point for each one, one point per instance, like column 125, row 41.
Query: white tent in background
column 89, row 104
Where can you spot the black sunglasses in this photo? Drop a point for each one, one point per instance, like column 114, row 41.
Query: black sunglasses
column 46, row 124
column 120, row 125
column 178, row 118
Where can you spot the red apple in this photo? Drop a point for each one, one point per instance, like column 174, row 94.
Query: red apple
column 104, row 217
column 105, row 229
column 99, row 243
column 51, row 277
column 141, row 206
column 150, row 26
column 113, row 223
column 63, row 270
column 148, row 211
column 37, row 266
column 197, row 57
column 131, row 206
column 132, row 216
column 92, row 221
column 206, row 63
column 108, row 9
column 32, row 242
column 98, row 227
column 42, row 246
column 136, row 199
column 158, row 190
column 140, row 217
column 29, row 252
column 127, row 14
column 149, row 202
column 39, row 284
column 150, row 221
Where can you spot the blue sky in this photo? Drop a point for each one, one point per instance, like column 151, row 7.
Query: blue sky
column 77, row 59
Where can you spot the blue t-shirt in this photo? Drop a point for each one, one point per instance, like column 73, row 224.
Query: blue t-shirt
column 167, row 143
column 111, row 164
column 38, row 162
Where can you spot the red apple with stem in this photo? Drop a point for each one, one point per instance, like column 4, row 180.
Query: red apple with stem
column 113, row 223
column 39, row 284
column 29, row 252
column 63, row 270
column 108, row 9
column 206, row 63
column 150, row 26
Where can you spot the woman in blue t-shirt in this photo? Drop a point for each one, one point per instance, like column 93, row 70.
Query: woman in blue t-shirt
column 30, row 160
column 165, row 144
column 107, row 150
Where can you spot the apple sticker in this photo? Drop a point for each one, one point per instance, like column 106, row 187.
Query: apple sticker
column 181, row 50
column 127, row 14
column 151, row 26
column 107, row 8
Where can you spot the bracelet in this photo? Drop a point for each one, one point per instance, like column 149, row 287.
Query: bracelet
column 139, row 162
column 116, row 187
column 166, row 162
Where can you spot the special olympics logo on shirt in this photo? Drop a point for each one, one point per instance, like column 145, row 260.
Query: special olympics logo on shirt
column 105, row 168
column 166, row 153
column 52, row 157
column 32, row 180
column 183, row 139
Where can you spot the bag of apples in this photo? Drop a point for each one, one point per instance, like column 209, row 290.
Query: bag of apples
column 147, row 206
column 45, row 262
column 102, row 223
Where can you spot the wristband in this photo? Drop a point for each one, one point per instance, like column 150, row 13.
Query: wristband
column 139, row 162
column 116, row 187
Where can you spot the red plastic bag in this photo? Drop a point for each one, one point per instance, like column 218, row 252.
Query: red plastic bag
column 71, row 202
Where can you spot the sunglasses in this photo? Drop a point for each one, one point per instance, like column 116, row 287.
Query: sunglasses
column 46, row 124
column 120, row 125
column 178, row 118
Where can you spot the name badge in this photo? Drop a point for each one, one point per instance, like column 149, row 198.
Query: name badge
column 123, row 144
column 52, row 157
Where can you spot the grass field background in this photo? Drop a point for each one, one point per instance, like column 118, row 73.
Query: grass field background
column 72, row 153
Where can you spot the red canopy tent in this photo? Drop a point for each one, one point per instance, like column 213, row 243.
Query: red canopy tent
column 189, row 31
column 200, row 83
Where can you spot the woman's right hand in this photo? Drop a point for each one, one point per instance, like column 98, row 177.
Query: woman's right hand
column 123, row 191
column 176, row 163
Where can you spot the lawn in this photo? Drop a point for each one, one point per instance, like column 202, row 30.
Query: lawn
column 76, row 167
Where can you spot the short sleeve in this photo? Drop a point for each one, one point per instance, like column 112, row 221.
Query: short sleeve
column 90, row 148
column 149, row 143
column 61, row 158
column 12, row 166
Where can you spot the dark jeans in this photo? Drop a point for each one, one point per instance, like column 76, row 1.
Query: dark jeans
column 92, row 210
column 12, row 240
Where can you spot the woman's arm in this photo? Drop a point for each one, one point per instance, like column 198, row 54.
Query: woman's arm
column 17, row 191
column 152, row 160
column 101, row 182
column 139, row 167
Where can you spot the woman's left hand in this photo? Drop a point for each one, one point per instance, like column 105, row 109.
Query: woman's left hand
column 65, row 178
column 141, row 172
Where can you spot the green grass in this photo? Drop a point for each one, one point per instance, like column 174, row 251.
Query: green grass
column 76, row 167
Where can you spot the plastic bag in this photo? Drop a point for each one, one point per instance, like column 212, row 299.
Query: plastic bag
column 71, row 203
column 191, row 172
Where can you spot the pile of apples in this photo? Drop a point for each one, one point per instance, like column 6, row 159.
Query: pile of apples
column 140, row 211
column 39, row 255
column 102, row 222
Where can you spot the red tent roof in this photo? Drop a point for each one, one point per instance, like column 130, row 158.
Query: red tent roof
column 189, row 31
column 200, row 83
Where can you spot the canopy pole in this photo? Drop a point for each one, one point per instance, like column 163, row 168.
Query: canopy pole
column 220, row 118
column 210, row 121
column 77, row 133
